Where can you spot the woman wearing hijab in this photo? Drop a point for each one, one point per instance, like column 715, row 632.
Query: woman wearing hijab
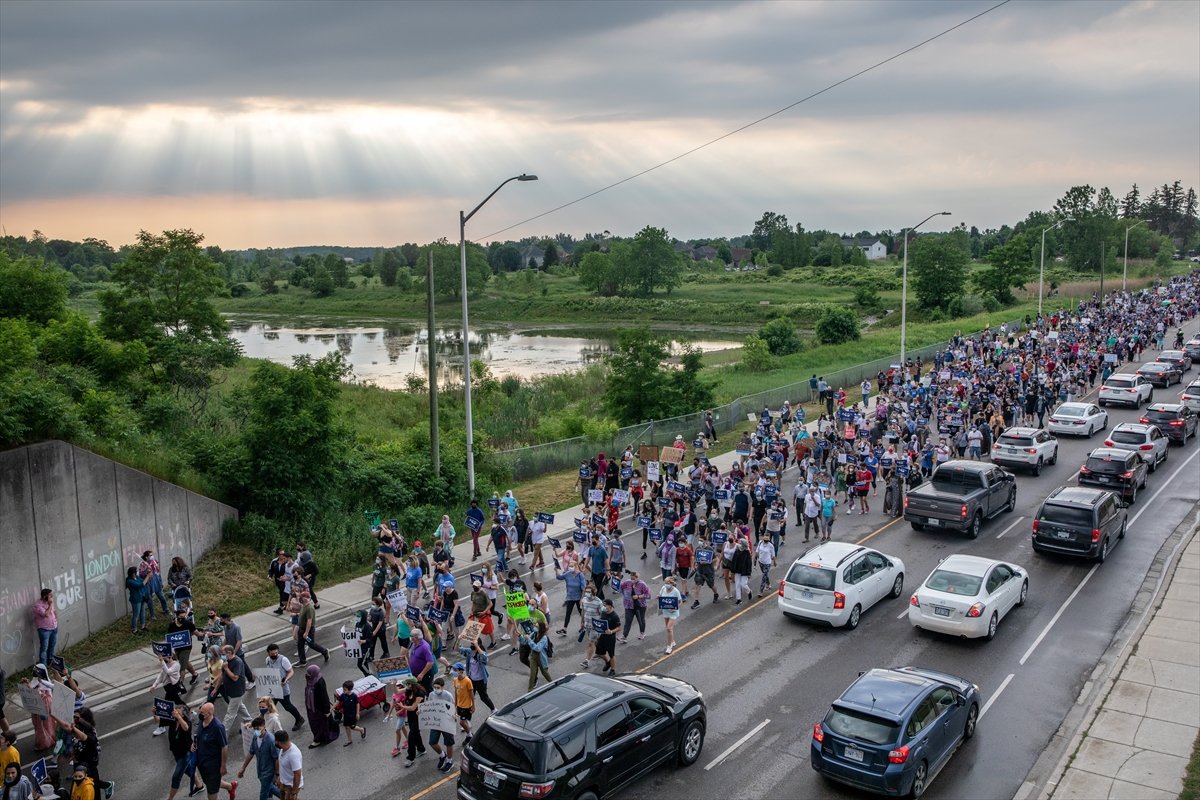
column 445, row 533
column 320, row 710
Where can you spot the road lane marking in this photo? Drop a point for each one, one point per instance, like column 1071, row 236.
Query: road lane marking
column 1003, row 685
column 139, row 724
column 1014, row 524
column 737, row 744
column 1166, row 483
column 903, row 613
column 434, row 786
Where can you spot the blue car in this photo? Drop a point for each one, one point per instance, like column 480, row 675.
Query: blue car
column 893, row 730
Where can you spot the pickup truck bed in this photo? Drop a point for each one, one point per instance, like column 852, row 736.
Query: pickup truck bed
column 960, row 496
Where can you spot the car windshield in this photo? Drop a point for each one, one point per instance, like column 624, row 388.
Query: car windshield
column 1128, row 437
column 1069, row 411
column 1119, row 383
column 1067, row 516
column 944, row 580
column 1016, row 441
column 1106, row 465
column 813, row 577
column 1153, row 368
column 517, row 754
column 863, row 727
column 1160, row 415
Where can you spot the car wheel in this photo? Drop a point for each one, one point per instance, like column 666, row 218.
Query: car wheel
column 587, row 796
column 1150, row 397
column 1133, row 495
column 1091, row 430
column 1024, row 593
column 855, row 617
column 972, row 721
column 691, row 743
column 918, row 784
column 1153, row 464
column 1103, row 554
column 1012, row 502
column 1102, row 403
column 976, row 522
column 918, row 526
column 897, row 586
column 1037, row 468
column 1054, row 459
column 993, row 624
column 1124, row 523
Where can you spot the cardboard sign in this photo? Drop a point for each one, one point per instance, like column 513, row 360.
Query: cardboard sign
column 470, row 633
column 390, row 668
column 163, row 709
column 704, row 555
column 179, row 640
column 599, row 625
column 668, row 604
column 31, row 700
column 652, row 471
column 517, row 605
column 542, row 516
column 267, row 683
column 656, row 535
column 672, row 455
column 398, row 601
column 647, row 453
column 161, row 649
column 413, row 613
column 62, row 704
column 595, row 495
column 720, row 537
column 620, row 496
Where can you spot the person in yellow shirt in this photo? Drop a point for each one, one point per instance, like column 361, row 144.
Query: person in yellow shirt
column 8, row 751
column 82, row 787
column 464, row 698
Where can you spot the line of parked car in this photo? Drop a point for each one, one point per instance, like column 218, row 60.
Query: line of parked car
column 893, row 730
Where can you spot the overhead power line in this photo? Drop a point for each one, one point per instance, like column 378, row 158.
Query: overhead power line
column 748, row 125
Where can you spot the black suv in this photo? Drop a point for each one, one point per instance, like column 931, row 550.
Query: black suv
column 1121, row 471
column 1176, row 421
column 583, row 737
column 1078, row 521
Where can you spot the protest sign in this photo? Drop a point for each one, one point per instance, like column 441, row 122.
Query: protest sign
column 160, row 649
column 37, row 770
column 776, row 515
column 585, row 472
column 676, row 486
column 62, row 704
column 668, row 604
column 597, row 519
column 517, row 605
column 555, row 544
column 595, row 495
column 494, row 503
column 542, row 516
column 647, row 453
column 31, row 700
column 599, row 625
column 580, row 537
column 742, row 451
column 470, row 633
column 438, row 614
column 475, row 524
column 527, row 626
column 179, row 640
column 267, row 683
column 698, row 444
column 59, row 664
column 720, row 537
column 389, row 668
column 626, row 473
column 163, row 709
column 394, row 525
column 902, row 469
column 664, row 501
column 721, row 494
column 644, row 521
column 350, row 643
column 413, row 613
column 397, row 601
column 672, row 455
column 652, row 471
column 620, row 496
column 704, row 555
column 656, row 535
column 615, row 583
column 1110, row 358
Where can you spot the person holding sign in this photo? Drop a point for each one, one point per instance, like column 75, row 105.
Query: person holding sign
column 279, row 663
column 605, row 628
column 669, row 600
column 539, row 659
column 17, row 786
column 591, row 606
column 168, row 678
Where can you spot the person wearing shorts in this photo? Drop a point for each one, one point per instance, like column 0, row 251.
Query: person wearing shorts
column 705, row 574
column 211, row 748
column 606, row 643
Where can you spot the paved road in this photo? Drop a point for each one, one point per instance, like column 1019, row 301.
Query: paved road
column 754, row 665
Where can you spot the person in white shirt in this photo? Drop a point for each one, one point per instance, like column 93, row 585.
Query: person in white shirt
column 168, row 678
column 291, row 772
column 764, row 554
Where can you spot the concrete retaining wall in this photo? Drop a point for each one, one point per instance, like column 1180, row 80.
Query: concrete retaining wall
column 73, row 521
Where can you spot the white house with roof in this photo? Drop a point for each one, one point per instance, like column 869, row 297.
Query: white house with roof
column 873, row 248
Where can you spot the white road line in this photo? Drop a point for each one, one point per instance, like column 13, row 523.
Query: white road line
column 139, row 724
column 1149, row 503
column 903, row 613
column 1003, row 685
column 737, row 744
column 1014, row 524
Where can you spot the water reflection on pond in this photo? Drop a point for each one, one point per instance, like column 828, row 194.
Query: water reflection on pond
column 386, row 354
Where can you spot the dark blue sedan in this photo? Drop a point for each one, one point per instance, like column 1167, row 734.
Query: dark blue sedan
column 893, row 730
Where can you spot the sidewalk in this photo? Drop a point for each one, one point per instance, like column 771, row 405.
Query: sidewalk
column 1137, row 738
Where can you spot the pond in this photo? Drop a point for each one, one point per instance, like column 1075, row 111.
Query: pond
column 384, row 354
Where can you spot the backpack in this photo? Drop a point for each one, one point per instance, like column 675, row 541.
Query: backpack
column 549, row 647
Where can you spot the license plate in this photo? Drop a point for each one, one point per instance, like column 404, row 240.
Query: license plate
column 935, row 522
column 491, row 779
column 807, row 595
column 853, row 753
column 1063, row 534
column 1103, row 478
column 941, row 612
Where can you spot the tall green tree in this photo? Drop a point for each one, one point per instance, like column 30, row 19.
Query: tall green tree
column 765, row 227
column 389, row 264
column 598, row 273
column 638, row 387
column 937, row 268
column 447, row 271
column 338, row 270
column 650, row 262
column 31, row 290
column 1008, row 266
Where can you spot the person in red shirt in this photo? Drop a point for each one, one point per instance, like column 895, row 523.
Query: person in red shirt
column 862, row 483
column 683, row 563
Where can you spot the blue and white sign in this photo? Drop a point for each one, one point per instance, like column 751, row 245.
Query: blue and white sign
column 676, row 486
column 597, row 519
column 704, row 555
column 542, row 516
column 179, row 640
column 38, row 771
column 438, row 614
column 721, row 494
column 656, row 535
column 620, row 496
column 163, row 709
column 644, row 521
column 161, row 649
column 720, row 537
column 615, row 583
column 626, row 473
column 494, row 503
column 902, row 469
column 580, row 536
column 413, row 613
column 664, row 501
column 668, row 603
column 599, row 625
column 595, row 495
column 555, row 544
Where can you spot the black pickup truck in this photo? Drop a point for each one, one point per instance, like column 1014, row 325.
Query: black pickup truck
column 960, row 496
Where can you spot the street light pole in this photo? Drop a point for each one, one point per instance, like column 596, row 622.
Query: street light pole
column 1042, row 270
column 1125, row 271
column 904, row 288
column 462, row 256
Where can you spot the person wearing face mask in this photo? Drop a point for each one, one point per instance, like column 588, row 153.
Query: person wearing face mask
column 591, row 606
column 743, row 567
column 265, row 755
column 82, row 786
column 17, row 786
column 169, row 679
column 181, row 621
column 211, row 748
column 179, row 740
column 574, row 583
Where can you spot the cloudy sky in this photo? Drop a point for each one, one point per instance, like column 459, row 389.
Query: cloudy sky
column 373, row 123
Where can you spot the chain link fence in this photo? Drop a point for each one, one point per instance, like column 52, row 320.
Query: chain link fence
column 538, row 459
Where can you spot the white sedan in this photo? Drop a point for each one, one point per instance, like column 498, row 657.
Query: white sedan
column 1080, row 419
column 968, row 596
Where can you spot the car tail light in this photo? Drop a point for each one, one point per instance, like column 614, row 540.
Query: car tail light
column 1144, row 420
column 818, row 732
column 1095, row 535
column 1035, row 526
column 976, row 610
column 1030, row 450
column 1084, row 471
column 839, row 600
column 1108, row 443
column 781, row 583
column 536, row 790
column 899, row 755
column 1131, row 391
column 1176, row 423
column 914, row 602
column 962, row 512
column 1127, row 474
column 1146, row 447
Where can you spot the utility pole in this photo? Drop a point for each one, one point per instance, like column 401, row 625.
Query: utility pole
column 1102, row 274
column 435, row 451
